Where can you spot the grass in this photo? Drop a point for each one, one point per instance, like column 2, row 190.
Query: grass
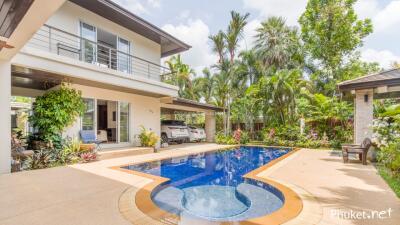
column 393, row 182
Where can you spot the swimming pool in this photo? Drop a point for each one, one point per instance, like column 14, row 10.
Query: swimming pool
column 211, row 185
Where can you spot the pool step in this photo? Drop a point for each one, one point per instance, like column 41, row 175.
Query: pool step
column 262, row 201
column 169, row 199
column 213, row 201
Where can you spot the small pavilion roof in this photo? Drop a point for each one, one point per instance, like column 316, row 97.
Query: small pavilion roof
column 384, row 78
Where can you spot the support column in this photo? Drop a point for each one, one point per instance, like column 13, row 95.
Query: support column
column 210, row 126
column 363, row 114
column 5, row 117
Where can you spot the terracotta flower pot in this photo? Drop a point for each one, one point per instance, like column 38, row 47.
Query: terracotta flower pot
column 87, row 147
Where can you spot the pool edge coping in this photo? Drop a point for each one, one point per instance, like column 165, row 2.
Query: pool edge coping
column 143, row 197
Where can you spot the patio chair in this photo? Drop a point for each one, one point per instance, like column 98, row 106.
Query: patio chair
column 361, row 150
column 89, row 137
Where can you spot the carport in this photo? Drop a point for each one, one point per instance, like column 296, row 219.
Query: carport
column 170, row 106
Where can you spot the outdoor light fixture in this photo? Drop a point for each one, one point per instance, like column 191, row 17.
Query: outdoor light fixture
column 365, row 98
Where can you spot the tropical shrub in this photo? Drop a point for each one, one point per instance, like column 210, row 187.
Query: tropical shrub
column 245, row 137
column 385, row 131
column 56, row 110
column 389, row 156
column 386, row 137
column 148, row 138
column 39, row 160
column 223, row 139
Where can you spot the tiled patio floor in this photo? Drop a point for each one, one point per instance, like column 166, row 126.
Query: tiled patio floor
column 89, row 193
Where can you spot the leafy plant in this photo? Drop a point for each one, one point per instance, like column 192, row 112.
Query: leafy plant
column 88, row 156
column 148, row 138
column 39, row 160
column 223, row 139
column 55, row 110
column 389, row 156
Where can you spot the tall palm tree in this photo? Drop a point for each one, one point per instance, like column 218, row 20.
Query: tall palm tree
column 277, row 44
column 219, row 45
column 235, row 32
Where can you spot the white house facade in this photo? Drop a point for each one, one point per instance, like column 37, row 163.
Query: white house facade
column 109, row 54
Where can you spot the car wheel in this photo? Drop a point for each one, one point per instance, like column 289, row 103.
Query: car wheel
column 164, row 138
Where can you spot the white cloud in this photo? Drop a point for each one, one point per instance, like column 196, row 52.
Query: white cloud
column 154, row 3
column 388, row 18
column 135, row 6
column 184, row 14
column 194, row 33
column 139, row 6
column 290, row 9
column 248, row 34
column 383, row 57
column 366, row 8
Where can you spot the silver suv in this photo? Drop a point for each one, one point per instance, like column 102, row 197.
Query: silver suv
column 174, row 131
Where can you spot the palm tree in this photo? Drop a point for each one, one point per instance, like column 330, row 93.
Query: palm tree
column 181, row 76
column 250, row 67
column 278, row 94
column 219, row 45
column 204, row 86
column 235, row 32
column 277, row 44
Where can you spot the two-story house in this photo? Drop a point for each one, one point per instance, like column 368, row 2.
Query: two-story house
column 111, row 55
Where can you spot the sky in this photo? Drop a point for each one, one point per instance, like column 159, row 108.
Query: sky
column 192, row 21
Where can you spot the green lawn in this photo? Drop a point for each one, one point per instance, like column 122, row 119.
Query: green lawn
column 393, row 182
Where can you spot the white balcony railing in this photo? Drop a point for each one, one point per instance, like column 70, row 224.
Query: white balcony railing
column 60, row 42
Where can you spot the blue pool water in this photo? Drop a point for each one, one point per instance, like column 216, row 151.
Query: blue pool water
column 211, row 185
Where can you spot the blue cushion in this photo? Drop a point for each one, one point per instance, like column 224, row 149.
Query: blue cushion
column 88, row 136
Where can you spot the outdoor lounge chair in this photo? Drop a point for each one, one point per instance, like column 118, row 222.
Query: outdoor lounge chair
column 89, row 137
column 361, row 150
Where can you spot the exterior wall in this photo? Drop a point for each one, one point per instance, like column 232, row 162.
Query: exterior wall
column 49, row 62
column 68, row 18
column 143, row 110
column 5, row 117
column 363, row 115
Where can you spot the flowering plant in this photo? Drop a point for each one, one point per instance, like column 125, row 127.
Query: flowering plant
column 385, row 131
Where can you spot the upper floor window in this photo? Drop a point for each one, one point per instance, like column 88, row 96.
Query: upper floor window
column 105, row 49
column 123, row 55
column 88, row 43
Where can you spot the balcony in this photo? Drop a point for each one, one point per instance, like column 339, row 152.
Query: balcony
column 62, row 43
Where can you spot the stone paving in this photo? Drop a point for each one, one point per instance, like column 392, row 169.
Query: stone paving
column 89, row 193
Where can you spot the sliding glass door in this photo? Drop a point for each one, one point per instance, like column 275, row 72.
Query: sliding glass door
column 88, row 118
column 88, row 43
column 123, row 121
column 109, row 118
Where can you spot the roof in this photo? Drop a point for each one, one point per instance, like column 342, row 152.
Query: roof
column 12, row 13
column 117, row 14
column 191, row 103
column 384, row 78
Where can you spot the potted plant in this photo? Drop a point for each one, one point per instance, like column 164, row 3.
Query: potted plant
column 148, row 138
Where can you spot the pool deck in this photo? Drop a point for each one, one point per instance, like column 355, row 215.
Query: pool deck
column 90, row 193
